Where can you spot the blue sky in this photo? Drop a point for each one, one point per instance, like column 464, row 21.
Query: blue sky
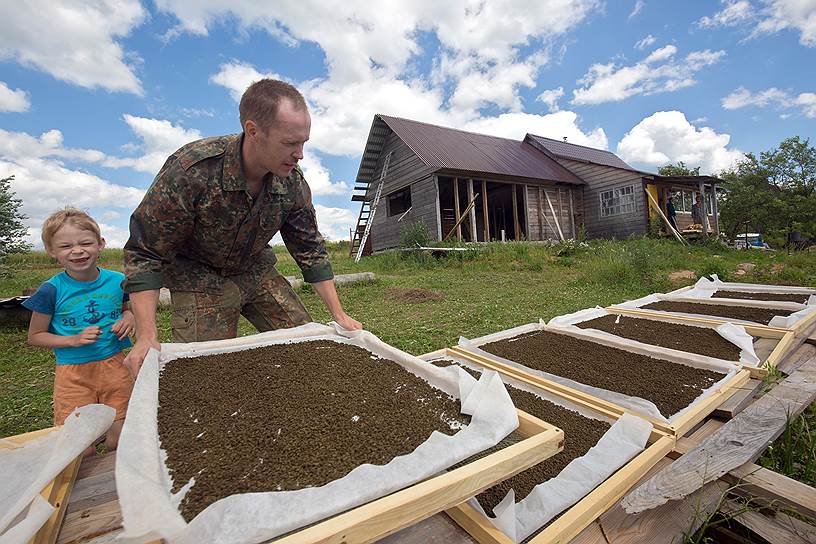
column 95, row 95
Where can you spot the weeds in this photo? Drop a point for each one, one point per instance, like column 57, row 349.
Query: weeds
column 794, row 452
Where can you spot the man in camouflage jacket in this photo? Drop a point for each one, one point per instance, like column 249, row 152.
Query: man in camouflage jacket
column 204, row 226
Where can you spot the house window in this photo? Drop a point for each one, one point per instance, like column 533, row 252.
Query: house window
column 399, row 202
column 683, row 200
column 618, row 201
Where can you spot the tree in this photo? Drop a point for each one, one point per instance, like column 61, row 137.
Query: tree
column 680, row 169
column 12, row 229
column 773, row 194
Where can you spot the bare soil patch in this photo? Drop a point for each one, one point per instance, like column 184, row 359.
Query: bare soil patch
column 580, row 434
column 670, row 386
column 414, row 295
column 290, row 416
column 700, row 340
column 747, row 313
column 747, row 295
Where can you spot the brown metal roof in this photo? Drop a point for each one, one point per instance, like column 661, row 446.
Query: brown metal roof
column 444, row 148
column 581, row 153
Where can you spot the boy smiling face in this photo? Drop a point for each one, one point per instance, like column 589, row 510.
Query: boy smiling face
column 77, row 250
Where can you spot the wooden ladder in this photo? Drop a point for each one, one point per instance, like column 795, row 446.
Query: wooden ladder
column 366, row 217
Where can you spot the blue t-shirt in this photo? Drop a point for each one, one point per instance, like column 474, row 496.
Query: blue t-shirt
column 74, row 305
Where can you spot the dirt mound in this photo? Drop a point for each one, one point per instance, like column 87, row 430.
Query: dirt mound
column 414, row 295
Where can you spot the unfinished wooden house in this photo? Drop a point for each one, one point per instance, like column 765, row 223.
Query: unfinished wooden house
column 477, row 187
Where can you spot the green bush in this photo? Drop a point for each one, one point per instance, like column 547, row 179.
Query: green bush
column 415, row 234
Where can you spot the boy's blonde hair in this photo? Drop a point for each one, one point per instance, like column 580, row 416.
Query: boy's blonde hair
column 72, row 215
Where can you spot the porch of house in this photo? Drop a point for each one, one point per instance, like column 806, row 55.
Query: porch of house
column 685, row 192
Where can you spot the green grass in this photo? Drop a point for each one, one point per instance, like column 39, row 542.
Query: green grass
column 794, row 452
column 486, row 290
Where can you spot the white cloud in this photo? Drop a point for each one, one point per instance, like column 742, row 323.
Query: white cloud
column 639, row 5
column 13, row 100
column 160, row 138
column 555, row 125
column 778, row 15
column 734, row 13
column 114, row 235
column 74, row 42
column 658, row 72
column 236, row 76
column 334, row 223
column 551, row 97
column 778, row 98
column 667, row 137
column 648, row 41
column 318, row 177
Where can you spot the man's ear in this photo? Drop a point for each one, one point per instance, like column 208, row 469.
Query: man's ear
column 251, row 128
column 101, row 243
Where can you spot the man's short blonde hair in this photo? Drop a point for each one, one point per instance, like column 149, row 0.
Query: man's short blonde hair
column 261, row 100
column 72, row 215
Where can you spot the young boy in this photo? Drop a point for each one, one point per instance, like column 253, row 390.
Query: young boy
column 82, row 314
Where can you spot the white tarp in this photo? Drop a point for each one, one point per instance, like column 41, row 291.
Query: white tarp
column 784, row 321
column 635, row 404
column 623, row 441
column 705, row 288
column 25, row 470
column 733, row 333
column 149, row 509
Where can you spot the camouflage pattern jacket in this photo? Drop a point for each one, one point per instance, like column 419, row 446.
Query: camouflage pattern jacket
column 198, row 224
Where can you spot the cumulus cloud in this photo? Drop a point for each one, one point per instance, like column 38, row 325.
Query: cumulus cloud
column 319, row 178
column 13, row 100
column 648, row 41
column 778, row 98
column 667, row 137
column 733, row 13
column 159, row 139
column 75, row 42
column 658, row 72
column 334, row 223
column 555, row 125
column 551, row 97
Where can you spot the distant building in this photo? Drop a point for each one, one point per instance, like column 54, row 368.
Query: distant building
column 529, row 189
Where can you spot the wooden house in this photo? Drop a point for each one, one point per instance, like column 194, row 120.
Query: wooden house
column 477, row 187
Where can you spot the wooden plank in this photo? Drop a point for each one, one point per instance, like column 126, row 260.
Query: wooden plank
column 515, row 214
column 17, row 441
column 781, row 349
column 389, row 514
column 805, row 530
column 797, row 359
column 57, row 495
column 97, row 464
column 761, row 331
column 739, row 400
column 476, row 525
column 474, row 236
column 574, row 520
column 763, row 347
column 762, row 525
column 456, row 209
column 573, row 395
column 704, row 407
column 740, row 440
column 805, row 322
column 485, row 212
column 87, row 524
column 592, row 534
column 777, row 488
column 437, row 529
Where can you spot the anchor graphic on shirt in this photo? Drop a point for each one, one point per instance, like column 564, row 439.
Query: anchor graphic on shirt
column 94, row 317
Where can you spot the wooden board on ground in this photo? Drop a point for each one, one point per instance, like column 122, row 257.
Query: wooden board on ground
column 741, row 440
column 677, row 428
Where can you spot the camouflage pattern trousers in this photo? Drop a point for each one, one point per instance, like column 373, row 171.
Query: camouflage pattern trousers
column 270, row 305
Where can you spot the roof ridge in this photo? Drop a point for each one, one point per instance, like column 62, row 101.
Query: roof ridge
column 570, row 143
column 382, row 115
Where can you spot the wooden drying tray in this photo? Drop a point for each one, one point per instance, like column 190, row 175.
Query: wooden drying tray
column 56, row 492
column 678, row 428
column 789, row 339
column 581, row 514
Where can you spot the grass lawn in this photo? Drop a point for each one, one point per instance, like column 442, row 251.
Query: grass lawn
column 421, row 303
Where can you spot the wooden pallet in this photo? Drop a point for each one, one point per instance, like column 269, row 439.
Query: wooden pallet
column 582, row 513
column 56, row 492
column 678, row 428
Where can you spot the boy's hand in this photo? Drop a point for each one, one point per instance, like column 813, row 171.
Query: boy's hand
column 89, row 335
column 125, row 326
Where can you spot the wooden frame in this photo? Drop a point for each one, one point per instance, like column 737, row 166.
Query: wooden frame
column 389, row 514
column 678, row 428
column 56, row 492
column 579, row 515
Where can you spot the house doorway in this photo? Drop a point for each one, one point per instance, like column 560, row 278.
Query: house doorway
column 500, row 214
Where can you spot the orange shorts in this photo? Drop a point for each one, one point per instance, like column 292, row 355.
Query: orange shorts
column 106, row 382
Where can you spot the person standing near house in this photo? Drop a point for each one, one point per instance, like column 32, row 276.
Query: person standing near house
column 671, row 213
column 204, row 226
column 696, row 212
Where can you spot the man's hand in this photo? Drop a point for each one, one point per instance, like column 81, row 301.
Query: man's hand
column 135, row 358
column 348, row 322
column 125, row 326
column 89, row 335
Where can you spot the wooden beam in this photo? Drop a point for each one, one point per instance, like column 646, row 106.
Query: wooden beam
column 741, row 440
column 458, row 226
column 656, row 206
column 739, row 400
column 755, row 480
column 703, row 407
column 485, row 214
column 474, row 236
column 57, row 493
column 515, row 214
column 703, row 208
column 557, row 224
column 462, row 218
column 715, row 211
column 762, row 331
column 539, row 203
column 760, row 524
column 572, row 215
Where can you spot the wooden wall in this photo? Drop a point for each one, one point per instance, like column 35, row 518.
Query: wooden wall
column 386, row 232
column 537, row 227
column 601, row 178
